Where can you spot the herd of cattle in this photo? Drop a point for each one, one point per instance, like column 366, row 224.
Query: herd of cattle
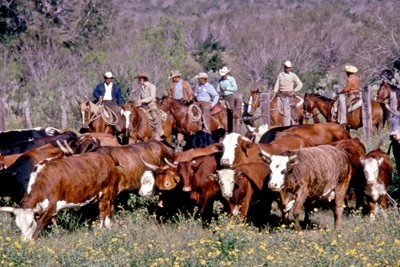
column 47, row 170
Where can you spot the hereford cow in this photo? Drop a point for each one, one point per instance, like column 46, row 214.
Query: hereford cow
column 66, row 182
column 314, row 173
column 25, row 146
column 377, row 168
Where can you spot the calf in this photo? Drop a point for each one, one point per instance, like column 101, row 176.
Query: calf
column 322, row 172
column 66, row 182
column 377, row 168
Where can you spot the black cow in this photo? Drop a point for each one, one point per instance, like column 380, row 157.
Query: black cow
column 199, row 140
column 269, row 136
column 10, row 138
column 25, row 146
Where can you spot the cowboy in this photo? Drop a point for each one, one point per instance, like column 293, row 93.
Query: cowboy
column 227, row 86
column 180, row 89
column 284, row 85
column 353, row 84
column 109, row 93
column 204, row 93
column 147, row 98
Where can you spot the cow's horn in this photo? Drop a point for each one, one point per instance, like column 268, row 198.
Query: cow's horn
column 7, row 209
column 148, row 165
column 295, row 155
column 68, row 147
column 390, row 109
column 63, row 149
column 264, row 153
column 170, row 164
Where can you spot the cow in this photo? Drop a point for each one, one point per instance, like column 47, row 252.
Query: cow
column 14, row 179
column 255, row 133
column 270, row 135
column 66, row 182
column 104, row 138
column 318, row 134
column 136, row 124
column 248, row 189
column 377, row 168
column 199, row 139
column 196, row 152
column 25, row 146
column 312, row 173
column 7, row 161
column 356, row 151
column 10, row 138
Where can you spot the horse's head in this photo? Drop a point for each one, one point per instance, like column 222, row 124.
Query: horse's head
column 383, row 92
column 128, row 112
column 308, row 106
column 84, row 110
column 254, row 101
column 163, row 103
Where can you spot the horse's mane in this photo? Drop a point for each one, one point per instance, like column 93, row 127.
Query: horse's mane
column 324, row 98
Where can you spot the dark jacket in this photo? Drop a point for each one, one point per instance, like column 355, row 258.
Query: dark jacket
column 115, row 93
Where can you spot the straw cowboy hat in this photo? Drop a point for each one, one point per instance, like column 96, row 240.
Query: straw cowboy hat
column 201, row 75
column 174, row 73
column 142, row 75
column 287, row 64
column 224, row 71
column 350, row 69
column 108, row 75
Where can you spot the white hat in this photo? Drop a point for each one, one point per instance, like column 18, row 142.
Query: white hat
column 108, row 75
column 350, row 69
column 201, row 75
column 224, row 71
column 287, row 64
column 174, row 73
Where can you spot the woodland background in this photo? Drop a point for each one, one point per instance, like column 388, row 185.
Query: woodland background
column 53, row 53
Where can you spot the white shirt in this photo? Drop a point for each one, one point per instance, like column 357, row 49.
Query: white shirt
column 108, row 95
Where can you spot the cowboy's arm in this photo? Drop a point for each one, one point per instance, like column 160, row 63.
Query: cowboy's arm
column 219, row 86
column 189, row 92
column 96, row 93
column 214, row 95
column 347, row 88
column 233, row 86
column 152, row 96
column 298, row 83
column 119, row 97
column 170, row 90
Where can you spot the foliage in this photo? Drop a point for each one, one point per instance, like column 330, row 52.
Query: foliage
column 208, row 54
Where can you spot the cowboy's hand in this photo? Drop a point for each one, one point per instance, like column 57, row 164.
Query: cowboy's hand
column 211, row 108
column 274, row 94
column 120, row 108
column 100, row 98
column 223, row 88
column 139, row 102
column 291, row 93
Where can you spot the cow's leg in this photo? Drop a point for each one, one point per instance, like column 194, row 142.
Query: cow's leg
column 46, row 216
column 371, row 205
column 340, row 194
column 300, row 200
column 384, row 199
column 104, row 209
column 54, row 221
column 308, row 207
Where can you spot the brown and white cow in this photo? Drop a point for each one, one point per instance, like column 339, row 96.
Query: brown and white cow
column 255, row 133
column 314, row 173
column 377, row 168
column 66, row 182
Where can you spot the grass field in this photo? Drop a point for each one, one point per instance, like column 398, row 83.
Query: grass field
column 137, row 238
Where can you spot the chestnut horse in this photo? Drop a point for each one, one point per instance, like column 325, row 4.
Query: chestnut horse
column 276, row 117
column 183, row 124
column 92, row 121
column 384, row 93
column 354, row 118
column 138, row 127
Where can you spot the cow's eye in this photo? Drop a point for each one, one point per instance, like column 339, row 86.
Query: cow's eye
column 283, row 171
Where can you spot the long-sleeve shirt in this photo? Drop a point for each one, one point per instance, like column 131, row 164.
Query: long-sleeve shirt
column 229, row 83
column 115, row 93
column 148, row 93
column 352, row 86
column 205, row 92
column 286, row 81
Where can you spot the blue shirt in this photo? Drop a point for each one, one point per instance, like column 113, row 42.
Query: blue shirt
column 205, row 92
column 178, row 90
column 229, row 83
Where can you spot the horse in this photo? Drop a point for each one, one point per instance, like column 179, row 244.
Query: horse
column 276, row 117
column 354, row 118
column 384, row 93
column 92, row 119
column 138, row 128
column 182, row 122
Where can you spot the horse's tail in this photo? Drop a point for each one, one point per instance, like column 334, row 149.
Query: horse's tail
column 385, row 115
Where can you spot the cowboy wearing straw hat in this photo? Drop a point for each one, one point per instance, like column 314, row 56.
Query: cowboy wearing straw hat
column 205, row 91
column 110, row 94
column 227, row 86
column 179, row 89
column 353, row 84
column 147, row 98
column 284, row 86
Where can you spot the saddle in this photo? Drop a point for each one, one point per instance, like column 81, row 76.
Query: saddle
column 299, row 103
column 354, row 104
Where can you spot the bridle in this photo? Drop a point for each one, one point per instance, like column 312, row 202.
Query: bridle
column 94, row 117
column 254, row 103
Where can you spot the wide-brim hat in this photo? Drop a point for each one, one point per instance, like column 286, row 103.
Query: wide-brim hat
column 174, row 73
column 287, row 64
column 108, row 75
column 141, row 74
column 350, row 69
column 224, row 71
column 201, row 75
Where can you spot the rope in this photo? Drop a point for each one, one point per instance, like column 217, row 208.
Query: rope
column 101, row 109
column 192, row 117
column 158, row 121
column 393, row 203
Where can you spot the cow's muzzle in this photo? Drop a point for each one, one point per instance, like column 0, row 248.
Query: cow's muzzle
column 274, row 186
column 187, row 188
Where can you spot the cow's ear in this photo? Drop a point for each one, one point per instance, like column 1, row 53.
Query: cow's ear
column 240, row 175
column 79, row 102
column 362, row 161
column 266, row 160
column 213, row 177
column 291, row 164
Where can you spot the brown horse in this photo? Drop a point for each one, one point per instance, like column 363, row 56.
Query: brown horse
column 354, row 118
column 138, row 127
column 92, row 121
column 384, row 93
column 276, row 117
column 183, row 123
